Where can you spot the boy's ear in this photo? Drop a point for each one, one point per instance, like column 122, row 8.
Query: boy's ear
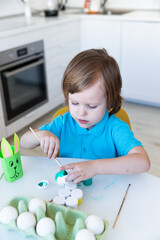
column 16, row 143
column 6, row 148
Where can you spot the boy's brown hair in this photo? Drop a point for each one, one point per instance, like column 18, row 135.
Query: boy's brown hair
column 88, row 66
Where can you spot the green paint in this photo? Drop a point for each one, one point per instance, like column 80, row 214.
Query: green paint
column 43, row 184
column 88, row 182
column 111, row 183
column 60, row 174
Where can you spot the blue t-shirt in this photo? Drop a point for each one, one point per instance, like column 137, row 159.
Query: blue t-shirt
column 110, row 138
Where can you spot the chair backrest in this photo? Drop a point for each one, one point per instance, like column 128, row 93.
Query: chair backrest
column 121, row 114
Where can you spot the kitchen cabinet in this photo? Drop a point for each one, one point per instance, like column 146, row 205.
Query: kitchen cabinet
column 61, row 43
column 99, row 33
column 140, row 57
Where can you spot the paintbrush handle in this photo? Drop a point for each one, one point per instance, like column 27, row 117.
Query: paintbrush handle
column 58, row 162
column 35, row 134
column 39, row 141
column 121, row 205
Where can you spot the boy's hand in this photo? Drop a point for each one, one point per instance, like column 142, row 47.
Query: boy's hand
column 80, row 171
column 49, row 144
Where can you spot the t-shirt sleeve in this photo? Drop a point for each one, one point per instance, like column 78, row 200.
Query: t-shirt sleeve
column 123, row 138
column 55, row 126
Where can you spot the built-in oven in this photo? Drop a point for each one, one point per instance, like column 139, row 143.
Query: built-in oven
column 22, row 80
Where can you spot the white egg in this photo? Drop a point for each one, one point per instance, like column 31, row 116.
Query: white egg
column 34, row 203
column 8, row 214
column 61, row 180
column 85, row 234
column 95, row 224
column 45, row 226
column 26, row 220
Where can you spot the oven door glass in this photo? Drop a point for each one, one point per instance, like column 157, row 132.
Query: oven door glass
column 24, row 87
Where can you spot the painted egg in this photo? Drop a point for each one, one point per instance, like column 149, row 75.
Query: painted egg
column 45, row 226
column 60, row 178
column 85, row 234
column 61, row 181
column 26, row 220
column 8, row 214
column 95, row 224
column 34, row 203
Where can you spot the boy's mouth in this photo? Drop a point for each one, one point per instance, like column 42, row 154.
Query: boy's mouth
column 82, row 121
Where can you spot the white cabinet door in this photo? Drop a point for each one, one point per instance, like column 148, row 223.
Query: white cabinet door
column 62, row 43
column 99, row 33
column 140, row 66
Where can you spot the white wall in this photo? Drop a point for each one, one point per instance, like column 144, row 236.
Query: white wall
column 135, row 4
column 15, row 7
column 9, row 7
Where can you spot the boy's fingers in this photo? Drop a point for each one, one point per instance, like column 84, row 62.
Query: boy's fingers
column 55, row 150
column 78, row 179
column 46, row 147
column 72, row 176
column 50, row 149
column 50, row 152
column 67, row 166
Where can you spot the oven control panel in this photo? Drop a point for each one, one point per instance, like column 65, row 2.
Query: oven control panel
column 15, row 54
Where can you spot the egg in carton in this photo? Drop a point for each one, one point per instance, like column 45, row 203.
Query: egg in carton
column 27, row 215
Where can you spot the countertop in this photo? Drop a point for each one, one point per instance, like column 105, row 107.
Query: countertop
column 14, row 25
column 139, row 218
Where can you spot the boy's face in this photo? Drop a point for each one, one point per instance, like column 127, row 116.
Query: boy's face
column 89, row 106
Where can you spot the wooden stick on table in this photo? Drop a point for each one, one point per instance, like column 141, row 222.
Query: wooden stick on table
column 39, row 141
column 121, row 205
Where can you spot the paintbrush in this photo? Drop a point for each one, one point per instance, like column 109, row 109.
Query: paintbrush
column 39, row 141
column 121, row 205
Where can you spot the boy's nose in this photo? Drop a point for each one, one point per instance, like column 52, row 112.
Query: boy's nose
column 82, row 111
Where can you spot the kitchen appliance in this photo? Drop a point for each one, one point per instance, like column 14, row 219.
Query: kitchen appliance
column 53, row 7
column 23, row 84
column 52, row 10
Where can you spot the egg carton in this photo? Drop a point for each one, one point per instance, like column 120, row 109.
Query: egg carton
column 68, row 221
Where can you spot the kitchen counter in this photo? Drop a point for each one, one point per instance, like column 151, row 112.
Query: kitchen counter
column 14, row 25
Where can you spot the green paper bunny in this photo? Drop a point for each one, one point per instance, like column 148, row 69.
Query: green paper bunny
column 11, row 159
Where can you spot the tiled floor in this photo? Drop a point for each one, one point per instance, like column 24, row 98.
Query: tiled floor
column 145, row 122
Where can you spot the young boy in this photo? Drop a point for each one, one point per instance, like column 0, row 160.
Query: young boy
column 91, row 85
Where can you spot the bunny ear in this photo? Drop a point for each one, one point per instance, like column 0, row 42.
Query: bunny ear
column 6, row 148
column 16, row 143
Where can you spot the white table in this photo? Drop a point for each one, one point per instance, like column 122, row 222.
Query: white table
column 140, row 215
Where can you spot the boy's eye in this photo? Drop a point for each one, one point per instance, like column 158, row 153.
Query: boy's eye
column 92, row 106
column 74, row 103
